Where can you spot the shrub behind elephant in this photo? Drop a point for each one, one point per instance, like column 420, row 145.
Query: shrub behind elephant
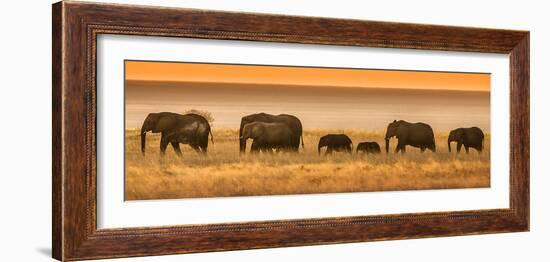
column 335, row 142
column 469, row 137
column 418, row 135
column 368, row 148
column 191, row 129
column 291, row 121
column 267, row 136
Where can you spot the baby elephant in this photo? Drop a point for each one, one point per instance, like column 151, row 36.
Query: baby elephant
column 368, row 148
column 471, row 137
column 335, row 142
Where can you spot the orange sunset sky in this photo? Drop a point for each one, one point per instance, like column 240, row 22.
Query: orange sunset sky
column 286, row 75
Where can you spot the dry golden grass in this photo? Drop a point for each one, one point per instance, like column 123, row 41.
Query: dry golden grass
column 223, row 172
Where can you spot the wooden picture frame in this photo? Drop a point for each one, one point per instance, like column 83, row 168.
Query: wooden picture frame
column 75, row 28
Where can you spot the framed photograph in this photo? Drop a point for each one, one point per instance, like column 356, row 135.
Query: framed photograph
column 181, row 130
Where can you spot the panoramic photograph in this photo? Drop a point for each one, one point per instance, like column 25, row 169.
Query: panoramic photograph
column 196, row 130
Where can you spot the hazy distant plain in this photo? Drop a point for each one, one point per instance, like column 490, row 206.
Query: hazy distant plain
column 317, row 107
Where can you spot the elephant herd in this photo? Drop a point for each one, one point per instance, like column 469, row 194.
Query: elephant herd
column 283, row 132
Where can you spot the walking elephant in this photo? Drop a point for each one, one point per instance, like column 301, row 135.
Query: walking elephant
column 368, row 148
column 291, row 121
column 418, row 135
column 469, row 137
column 191, row 129
column 335, row 142
column 267, row 136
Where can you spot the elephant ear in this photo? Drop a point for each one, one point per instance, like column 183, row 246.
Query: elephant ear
column 258, row 130
column 452, row 134
column 150, row 122
column 164, row 123
column 401, row 131
column 460, row 134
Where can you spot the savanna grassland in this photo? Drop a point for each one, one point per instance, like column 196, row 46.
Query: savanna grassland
column 223, row 172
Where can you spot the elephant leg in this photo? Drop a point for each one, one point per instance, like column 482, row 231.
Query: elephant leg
column 283, row 149
column 479, row 149
column 400, row 148
column 467, row 149
column 295, row 144
column 204, row 145
column 203, row 148
column 196, row 147
column 288, row 149
column 163, row 145
column 458, row 147
column 176, row 147
column 329, row 151
column 266, row 150
column 255, row 148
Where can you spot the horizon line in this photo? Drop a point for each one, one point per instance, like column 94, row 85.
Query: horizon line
column 302, row 85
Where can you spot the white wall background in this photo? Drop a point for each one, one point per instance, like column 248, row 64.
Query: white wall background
column 25, row 151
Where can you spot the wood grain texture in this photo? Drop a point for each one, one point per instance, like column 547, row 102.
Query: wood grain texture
column 519, row 129
column 75, row 29
column 57, row 190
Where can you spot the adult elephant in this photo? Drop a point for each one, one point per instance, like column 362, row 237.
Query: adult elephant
column 469, row 137
column 191, row 129
column 267, row 136
column 291, row 121
column 418, row 135
column 335, row 142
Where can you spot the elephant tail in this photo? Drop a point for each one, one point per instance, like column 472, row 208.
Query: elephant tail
column 211, row 136
column 302, row 137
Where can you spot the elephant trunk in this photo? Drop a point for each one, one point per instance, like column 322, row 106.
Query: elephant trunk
column 143, row 134
column 242, row 145
column 387, row 145
column 242, row 142
column 449, row 144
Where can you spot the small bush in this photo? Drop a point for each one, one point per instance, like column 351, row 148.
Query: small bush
column 203, row 113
